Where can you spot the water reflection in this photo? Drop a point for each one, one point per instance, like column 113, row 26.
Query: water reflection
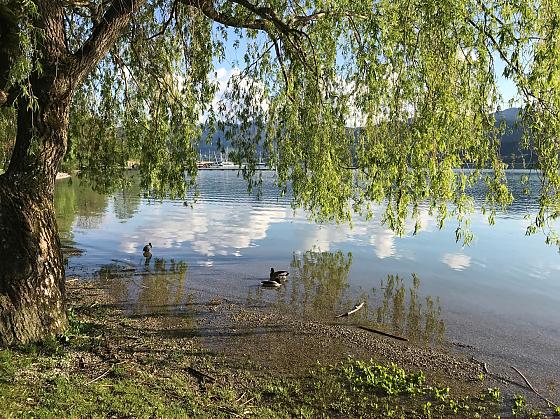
column 414, row 317
column 319, row 289
column 76, row 204
column 209, row 230
column 127, row 200
column 228, row 222
column 158, row 288
column 320, row 281
column 504, row 284
column 456, row 261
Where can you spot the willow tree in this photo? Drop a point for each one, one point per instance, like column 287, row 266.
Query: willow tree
column 358, row 103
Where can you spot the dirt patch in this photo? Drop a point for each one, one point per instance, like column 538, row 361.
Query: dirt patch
column 228, row 344
column 256, row 337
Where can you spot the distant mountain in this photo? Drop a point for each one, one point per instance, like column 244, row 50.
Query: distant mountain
column 510, row 140
column 509, row 148
column 212, row 145
column 511, row 114
column 209, row 146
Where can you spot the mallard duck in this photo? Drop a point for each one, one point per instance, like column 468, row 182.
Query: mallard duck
column 147, row 251
column 278, row 275
column 271, row 283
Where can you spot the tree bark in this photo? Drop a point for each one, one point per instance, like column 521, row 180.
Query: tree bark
column 31, row 267
column 32, row 303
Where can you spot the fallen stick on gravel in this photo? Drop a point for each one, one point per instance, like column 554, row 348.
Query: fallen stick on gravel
column 137, row 284
column 356, row 308
column 379, row 332
column 495, row 375
column 532, row 388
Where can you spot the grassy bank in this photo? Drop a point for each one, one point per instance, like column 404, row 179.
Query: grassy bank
column 112, row 363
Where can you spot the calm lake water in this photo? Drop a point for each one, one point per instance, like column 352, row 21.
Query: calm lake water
column 499, row 297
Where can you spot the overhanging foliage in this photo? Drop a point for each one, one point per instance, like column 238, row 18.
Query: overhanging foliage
column 359, row 102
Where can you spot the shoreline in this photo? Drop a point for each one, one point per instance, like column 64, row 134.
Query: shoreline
column 257, row 337
column 213, row 357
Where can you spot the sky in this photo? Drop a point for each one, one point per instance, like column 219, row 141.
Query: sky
column 234, row 61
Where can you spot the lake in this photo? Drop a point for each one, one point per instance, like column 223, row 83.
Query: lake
column 497, row 299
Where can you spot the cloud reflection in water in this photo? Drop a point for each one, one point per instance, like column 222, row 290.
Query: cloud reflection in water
column 225, row 229
column 456, row 261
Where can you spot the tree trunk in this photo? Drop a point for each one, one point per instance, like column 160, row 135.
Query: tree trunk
column 32, row 303
column 31, row 267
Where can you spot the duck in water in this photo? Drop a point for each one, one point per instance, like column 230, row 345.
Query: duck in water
column 147, row 251
column 271, row 283
column 278, row 275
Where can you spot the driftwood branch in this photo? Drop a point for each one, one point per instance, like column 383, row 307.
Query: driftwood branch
column 533, row 388
column 356, row 308
column 379, row 332
column 502, row 378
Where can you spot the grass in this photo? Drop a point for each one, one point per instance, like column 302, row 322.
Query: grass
column 109, row 365
column 36, row 382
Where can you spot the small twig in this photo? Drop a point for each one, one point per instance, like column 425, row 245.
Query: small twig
column 138, row 285
column 247, row 401
column 229, row 411
column 356, row 308
column 125, row 262
column 99, row 377
column 105, row 373
column 166, row 23
column 495, row 375
column 379, row 332
column 532, row 388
